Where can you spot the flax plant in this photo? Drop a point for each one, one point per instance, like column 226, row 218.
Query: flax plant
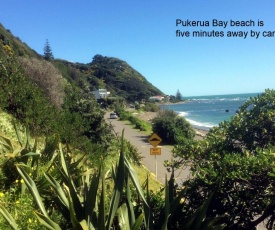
column 80, row 196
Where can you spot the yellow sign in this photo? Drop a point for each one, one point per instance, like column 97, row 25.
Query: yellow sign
column 155, row 151
column 154, row 140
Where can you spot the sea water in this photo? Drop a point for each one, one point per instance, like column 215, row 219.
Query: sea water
column 205, row 112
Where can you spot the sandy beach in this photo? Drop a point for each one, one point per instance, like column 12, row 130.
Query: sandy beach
column 148, row 116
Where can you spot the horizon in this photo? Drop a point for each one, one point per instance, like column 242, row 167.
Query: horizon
column 228, row 94
column 144, row 35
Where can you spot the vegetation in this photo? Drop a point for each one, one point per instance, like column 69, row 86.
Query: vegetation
column 172, row 128
column 23, row 99
column 115, row 75
column 46, row 77
column 48, row 55
column 138, row 123
column 81, row 197
column 120, row 79
column 177, row 98
column 151, row 107
column 60, row 172
column 238, row 157
column 17, row 47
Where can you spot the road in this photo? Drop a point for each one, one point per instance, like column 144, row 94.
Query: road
column 140, row 141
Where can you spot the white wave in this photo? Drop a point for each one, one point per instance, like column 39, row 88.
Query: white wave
column 206, row 125
column 203, row 125
column 183, row 114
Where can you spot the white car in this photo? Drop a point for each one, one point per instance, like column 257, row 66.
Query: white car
column 113, row 116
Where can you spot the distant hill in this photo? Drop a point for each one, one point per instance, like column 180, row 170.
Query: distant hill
column 119, row 78
column 115, row 75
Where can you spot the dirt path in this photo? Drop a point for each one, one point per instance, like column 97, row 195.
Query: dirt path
column 140, row 141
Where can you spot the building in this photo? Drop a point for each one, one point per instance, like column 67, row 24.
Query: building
column 156, row 98
column 101, row 93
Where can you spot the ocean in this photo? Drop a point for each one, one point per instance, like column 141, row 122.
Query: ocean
column 205, row 112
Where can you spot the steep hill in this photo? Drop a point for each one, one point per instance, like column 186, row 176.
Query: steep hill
column 103, row 72
column 118, row 77
column 19, row 48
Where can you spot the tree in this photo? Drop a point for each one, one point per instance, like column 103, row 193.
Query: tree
column 48, row 55
column 237, row 157
column 178, row 96
column 84, row 118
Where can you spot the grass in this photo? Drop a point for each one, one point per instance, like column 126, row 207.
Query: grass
column 6, row 126
column 143, row 172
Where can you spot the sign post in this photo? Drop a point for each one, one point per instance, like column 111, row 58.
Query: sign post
column 155, row 140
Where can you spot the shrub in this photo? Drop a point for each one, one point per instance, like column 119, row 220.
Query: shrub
column 151, row 107
column 84, row 118
column 24, row 99
column 47, row 77
column 237, row 157
column 172, row 128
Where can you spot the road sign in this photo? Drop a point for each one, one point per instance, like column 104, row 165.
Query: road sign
column 154, row 140
column 155, row 151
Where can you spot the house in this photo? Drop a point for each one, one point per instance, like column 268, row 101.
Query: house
column 156, row 98
column 101, row 93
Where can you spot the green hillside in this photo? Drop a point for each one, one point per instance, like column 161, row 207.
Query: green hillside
column 121, row 79
column 103, row 72
column 19, row 48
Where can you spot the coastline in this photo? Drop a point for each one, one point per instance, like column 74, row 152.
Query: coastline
column 148, row 116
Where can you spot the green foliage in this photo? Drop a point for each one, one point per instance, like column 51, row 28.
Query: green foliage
column 79, row 121
column 48, row 55
column 126, row 115
column 17, row 210
column 172, row 128
column 239, row 156
column 121, row 79
column 16, row 46
column 84, row 198
column 82, row 210
column 83, row 118
column 103, row 72
column 151, row 107
column 23, row 99
column 176, row 98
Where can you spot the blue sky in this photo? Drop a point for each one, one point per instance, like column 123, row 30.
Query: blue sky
column 143, row 33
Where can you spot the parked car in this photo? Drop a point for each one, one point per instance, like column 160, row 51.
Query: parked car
column 113, row 116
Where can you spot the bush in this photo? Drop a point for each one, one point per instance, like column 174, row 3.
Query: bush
column 151, row 107
column 172, row 128
column 122, row 114
column 83, row 118
column 238, row 158
column 125, row 115
column 20, row 97
column 47, row 77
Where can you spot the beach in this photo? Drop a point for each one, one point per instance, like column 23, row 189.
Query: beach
column 148, row 116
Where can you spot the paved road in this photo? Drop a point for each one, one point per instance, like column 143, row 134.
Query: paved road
column 140, row 141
